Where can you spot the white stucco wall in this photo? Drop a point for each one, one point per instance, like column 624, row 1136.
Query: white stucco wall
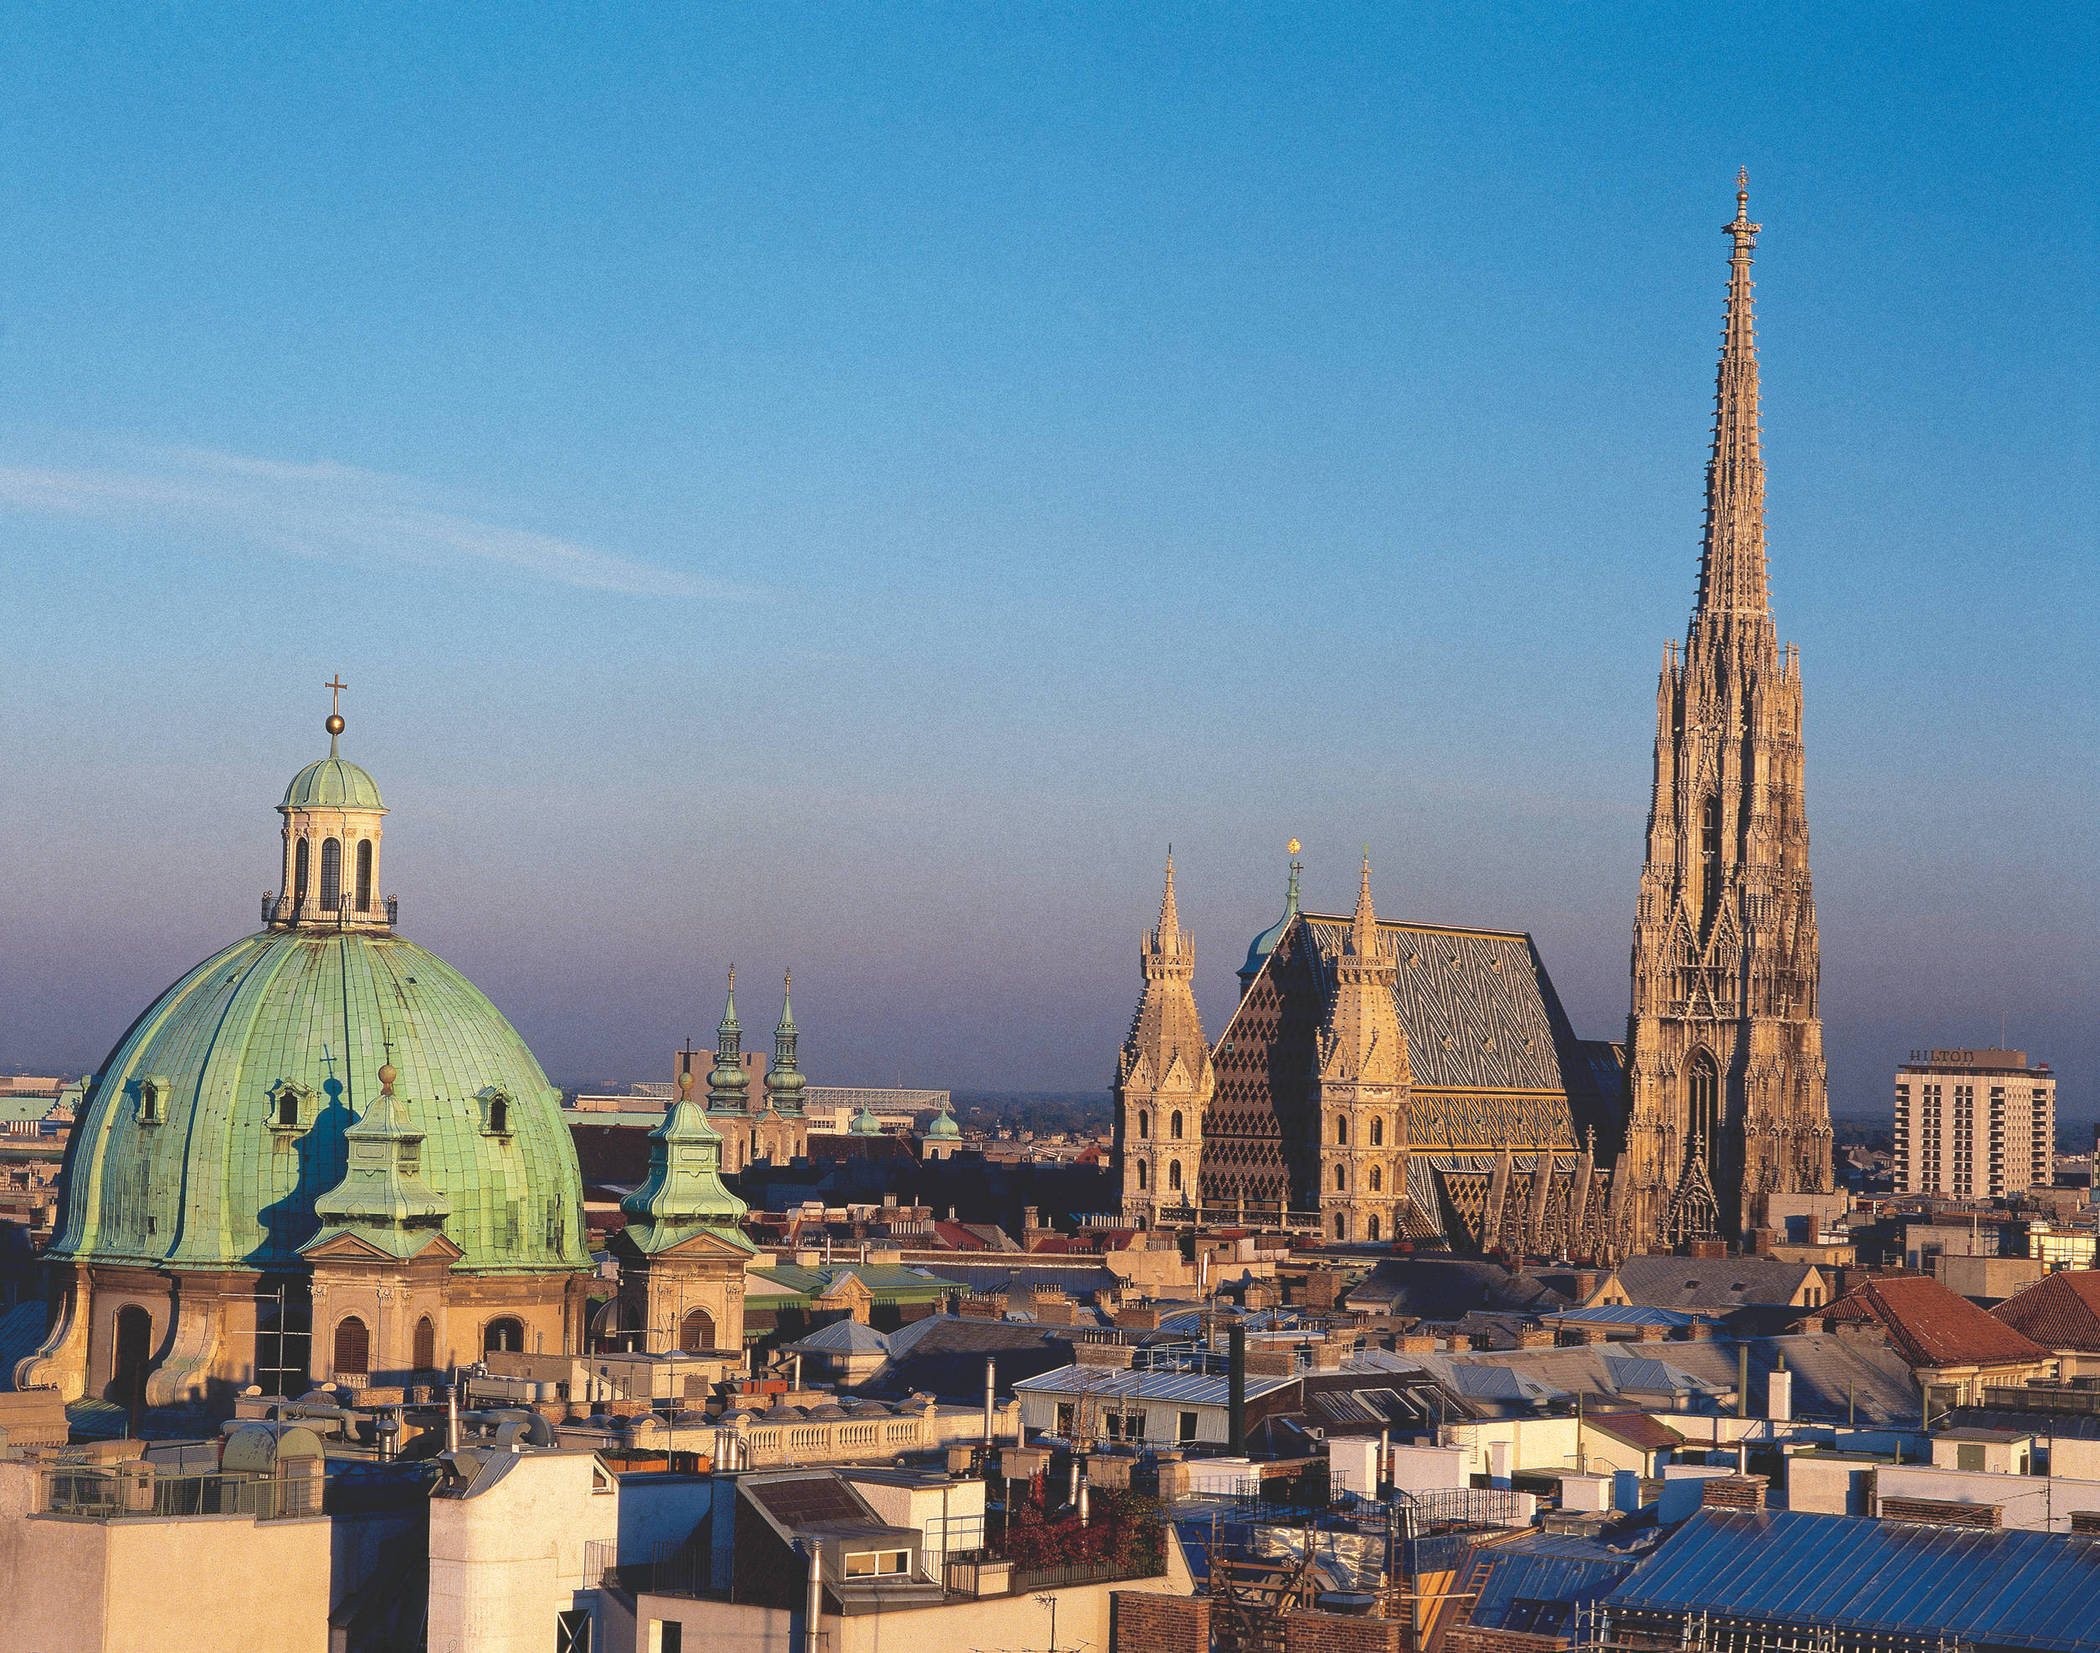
column 505, row 1562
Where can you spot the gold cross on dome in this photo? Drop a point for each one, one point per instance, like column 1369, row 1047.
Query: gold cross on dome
column 335, row 687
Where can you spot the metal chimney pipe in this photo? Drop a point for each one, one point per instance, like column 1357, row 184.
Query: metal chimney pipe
column 1236, row 1387
column 988, row 1395
column 813, row 1608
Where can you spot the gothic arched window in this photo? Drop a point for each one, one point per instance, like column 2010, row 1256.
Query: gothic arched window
column 1374, row 1228
column 1377, row 1133
column 1377, row 1183
column 331, row 875
column 1174, row 1125
column 1144, row 1126
column 364, row 875
column 1141, row 1176
column 1341, row 1132
column 1341, row 1178
column 1341, row 1226
column 1174, row 1174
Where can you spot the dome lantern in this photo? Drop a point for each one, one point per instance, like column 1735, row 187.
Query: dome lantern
column 329, row 877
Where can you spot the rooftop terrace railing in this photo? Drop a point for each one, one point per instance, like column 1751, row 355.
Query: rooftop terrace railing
column 135, row 1491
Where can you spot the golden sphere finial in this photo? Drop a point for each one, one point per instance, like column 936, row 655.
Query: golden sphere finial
column 334, row 725
column 685, row 1084
column 1293, row 846
column 386, row 1078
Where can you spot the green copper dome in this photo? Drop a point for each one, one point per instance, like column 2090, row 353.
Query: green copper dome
column 332, row 783
column 942, row 1127
column 220, row 1121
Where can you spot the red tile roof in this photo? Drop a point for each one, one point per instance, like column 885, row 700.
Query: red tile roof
column 1932, row 1326
column 2059, row 1311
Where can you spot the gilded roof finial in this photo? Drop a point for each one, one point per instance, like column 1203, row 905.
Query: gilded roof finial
column 335, row 687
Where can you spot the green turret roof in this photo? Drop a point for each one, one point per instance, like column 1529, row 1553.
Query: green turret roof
column 865, row 1124
column 180, row 1159
column 683, row 1193
column 333, row 782
column 942, row 1127
column 383, row 1199
column 784, row 1080
column 728, row 1084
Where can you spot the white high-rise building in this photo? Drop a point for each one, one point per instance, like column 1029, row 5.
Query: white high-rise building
column 1973, row 1124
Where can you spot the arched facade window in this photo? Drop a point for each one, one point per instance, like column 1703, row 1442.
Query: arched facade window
column 1377, row 1133
column 1377, row 1183
column 1374, row 1228
column 364, row 875
column 1341, row 1178
column 696, row 1332
column 1341, row 1133
column 1141, row 1176
column 1174, row 1174
column 1174, row 1125
column 1144, row 1126
column 353, row 1348
column 423, row 1355
column 1703, row 1112
column 1341, row 1226
column 299, row 866
column 134, row 1355
column 287, row 1105
column 331, row 875
column 504, row 1336
column 499, row 1114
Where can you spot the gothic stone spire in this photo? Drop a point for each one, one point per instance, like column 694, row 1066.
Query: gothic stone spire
column 1363, row 1085
column 1164, row 1078
column 1725, row 1041
column 1732, row 584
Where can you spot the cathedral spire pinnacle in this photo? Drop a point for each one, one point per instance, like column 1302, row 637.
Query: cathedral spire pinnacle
column 1732, row 565
column 1363, row 926
column 1169, row 912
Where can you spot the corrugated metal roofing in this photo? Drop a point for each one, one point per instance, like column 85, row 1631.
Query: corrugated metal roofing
column 1196, row 1388
column 1624, row 1314
column 2003, row 1588
column 1537, row 1593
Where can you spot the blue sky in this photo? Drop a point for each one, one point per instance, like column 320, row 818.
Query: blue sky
column 847, row 486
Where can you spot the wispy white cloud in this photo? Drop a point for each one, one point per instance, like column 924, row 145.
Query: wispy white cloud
column 330, row 512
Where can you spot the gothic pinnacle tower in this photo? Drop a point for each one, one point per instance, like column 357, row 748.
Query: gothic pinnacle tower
column 1363, row 1085
column 1724, row 1040
column 1163, row 1077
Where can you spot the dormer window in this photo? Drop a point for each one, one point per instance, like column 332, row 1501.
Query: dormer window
column 289, row 1106
column 877, row 1563
column 495, row 1110
column 152, row 1101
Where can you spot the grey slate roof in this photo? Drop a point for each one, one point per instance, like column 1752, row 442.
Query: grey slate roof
column 843, row 1337
column 1107, row 1382
column 1709, row 1282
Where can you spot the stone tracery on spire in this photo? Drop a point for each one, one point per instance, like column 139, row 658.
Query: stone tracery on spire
column 1732, row 579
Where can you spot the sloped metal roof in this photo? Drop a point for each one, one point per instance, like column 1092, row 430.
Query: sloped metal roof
column 1197, row 1388
column 2002, row 1588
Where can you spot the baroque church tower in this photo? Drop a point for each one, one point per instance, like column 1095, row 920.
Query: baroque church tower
column 1725, row 1042
column 1164, row 1077
column 1362, row 1085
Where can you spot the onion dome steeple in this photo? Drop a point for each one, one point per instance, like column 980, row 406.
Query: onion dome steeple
column 683, row 1193
column 784, row 1081
column 728, row 1085
column 942, row 1127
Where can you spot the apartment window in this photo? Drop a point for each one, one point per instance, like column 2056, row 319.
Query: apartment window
column 1186, row 1430
column 666, row 1636
column 878, row 1563
column 1064, row 1418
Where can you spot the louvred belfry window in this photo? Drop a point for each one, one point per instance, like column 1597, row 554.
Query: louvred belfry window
column 353, row 1347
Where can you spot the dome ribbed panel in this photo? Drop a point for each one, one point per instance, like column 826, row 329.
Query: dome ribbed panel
column 216, row 1186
